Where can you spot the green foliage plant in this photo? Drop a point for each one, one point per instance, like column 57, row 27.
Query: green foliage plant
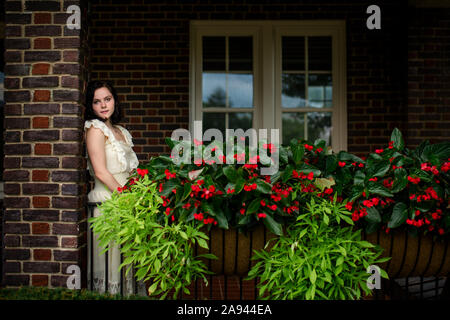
column 161, row 250
column 319, row 257
column 391, row 188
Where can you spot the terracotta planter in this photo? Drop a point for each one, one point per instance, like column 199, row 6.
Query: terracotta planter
column 234, row 249
column 412, row 256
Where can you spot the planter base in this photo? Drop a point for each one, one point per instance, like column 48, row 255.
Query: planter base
column 412, row 256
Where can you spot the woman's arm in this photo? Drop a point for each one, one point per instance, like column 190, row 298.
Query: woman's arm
column 95, row 142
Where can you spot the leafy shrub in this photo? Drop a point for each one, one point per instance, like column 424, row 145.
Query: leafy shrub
column 317, row 258
column 162, row 251
column 391, row 188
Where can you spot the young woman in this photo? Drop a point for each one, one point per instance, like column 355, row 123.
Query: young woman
column 111, row 160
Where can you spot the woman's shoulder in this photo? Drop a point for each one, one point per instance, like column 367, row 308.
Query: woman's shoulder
column 95, row 123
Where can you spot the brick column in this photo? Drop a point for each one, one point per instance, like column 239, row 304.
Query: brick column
column 44, row 170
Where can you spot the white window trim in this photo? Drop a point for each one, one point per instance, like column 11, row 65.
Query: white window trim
column 267, row 53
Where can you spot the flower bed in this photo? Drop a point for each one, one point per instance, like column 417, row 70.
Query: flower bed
column 392, row 190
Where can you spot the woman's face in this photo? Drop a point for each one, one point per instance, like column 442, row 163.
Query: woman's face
column 103, row 103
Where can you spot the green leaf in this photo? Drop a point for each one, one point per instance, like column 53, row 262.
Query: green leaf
column 221, row 219
column 187, row 191
column 397, row 138
column 379, row 169
column 399, row 215
column 231, row 173
column 298, row 152
column 331, row 163
column 287, row 173
column 436, row 151
column 359, row 178
column 254, row 206
column 378, row 189
column 400, row 180
column 373, row 216
column 202, row 243
column 313, row 276
column 239, row 185
column 272, row 225
column 263, row 186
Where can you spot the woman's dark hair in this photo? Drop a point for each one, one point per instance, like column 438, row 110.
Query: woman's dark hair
column 89, row 113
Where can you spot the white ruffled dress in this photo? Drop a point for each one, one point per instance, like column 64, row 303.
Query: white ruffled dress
column 121, row 160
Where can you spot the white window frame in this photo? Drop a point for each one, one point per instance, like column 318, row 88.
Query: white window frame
column 267, row 68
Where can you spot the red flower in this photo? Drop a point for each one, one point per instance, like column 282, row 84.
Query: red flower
column 142, row 172
column 250, row 187
column 308, row 147
column 375, row 201
column 414, row 180
column 229, row 190
column 169, row 175
column 373, row 179
column 379, row 151
column 198, row 216
column 349, row 206
column 261, row 215
column 263, row 203
column 186, row 206
column 341, row 164
column 368, row 203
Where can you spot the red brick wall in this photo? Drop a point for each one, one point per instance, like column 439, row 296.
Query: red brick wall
column 43, row 166
column 144, row 49
column 428, row 75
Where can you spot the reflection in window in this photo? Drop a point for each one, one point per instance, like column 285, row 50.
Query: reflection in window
column 240, row 90
column 214, row 90
column 293, row 124
column 320, row 91
column 293, row 90
column 306, row 81
column 227, row 82
column 240, row 120
column 319, row 126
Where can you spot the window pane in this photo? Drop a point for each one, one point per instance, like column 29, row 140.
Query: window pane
column 293, row 90
column 240, row 53
column 213, row 53
column 213, row 120
column 214, row 89
column 319, row 126
column 293, row 126
column 320, row 93
column 293, row 53
column 240, row 120
column 240, row 90
column 319, row 53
